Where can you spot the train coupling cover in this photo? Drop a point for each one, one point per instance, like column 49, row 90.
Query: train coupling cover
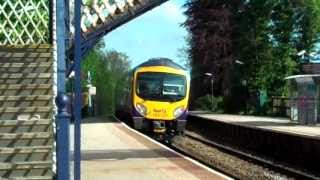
column 159, row 127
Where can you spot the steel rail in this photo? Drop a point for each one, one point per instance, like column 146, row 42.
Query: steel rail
column 252, row 158
column 241, row 154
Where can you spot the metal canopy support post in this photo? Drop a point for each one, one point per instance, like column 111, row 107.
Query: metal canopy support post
column 63, row 118
column 67, row 22
column 61, row 47
column 77, row 105
column 62, row 101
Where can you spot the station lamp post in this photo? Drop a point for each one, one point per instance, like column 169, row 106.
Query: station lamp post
column 210, row 75
column 244, row 83
column 239, row 62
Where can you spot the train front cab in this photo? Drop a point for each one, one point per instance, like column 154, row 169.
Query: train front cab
column 160, row 99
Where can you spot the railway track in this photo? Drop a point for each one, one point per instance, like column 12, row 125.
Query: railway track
column 294, row 173
column 284, row 171
column 175, row 150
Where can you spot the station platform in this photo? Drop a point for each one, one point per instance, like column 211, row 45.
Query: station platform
column 112, row 151
column 276, row 139
column 281, row 125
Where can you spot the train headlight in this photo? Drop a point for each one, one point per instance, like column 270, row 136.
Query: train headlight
column 141, row 109
column 178, row 112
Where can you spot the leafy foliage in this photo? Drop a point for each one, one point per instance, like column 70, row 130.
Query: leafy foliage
column 106, row 68
column 24, row 21
column 265, row 35
column 209, row 103
column 209, row 25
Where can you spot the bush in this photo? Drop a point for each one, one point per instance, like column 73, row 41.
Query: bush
column 205, row 103
column 107, row 68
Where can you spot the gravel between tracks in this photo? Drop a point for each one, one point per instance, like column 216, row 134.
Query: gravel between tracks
column 229, row 164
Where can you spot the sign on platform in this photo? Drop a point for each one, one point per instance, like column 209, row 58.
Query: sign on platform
column 92, row 90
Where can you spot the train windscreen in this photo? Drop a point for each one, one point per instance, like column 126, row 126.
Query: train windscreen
column 161, row 86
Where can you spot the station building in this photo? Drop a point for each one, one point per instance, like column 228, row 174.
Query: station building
column 305, row 95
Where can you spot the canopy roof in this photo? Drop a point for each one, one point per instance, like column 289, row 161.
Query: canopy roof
column 304, row 78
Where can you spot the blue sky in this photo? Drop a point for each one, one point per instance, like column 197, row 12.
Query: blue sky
column 157, row 33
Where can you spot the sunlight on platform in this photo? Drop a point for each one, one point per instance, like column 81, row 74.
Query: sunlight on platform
column 112, row 151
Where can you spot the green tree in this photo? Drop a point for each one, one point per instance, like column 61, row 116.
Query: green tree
column 184, row 55
column 265, row 35
column 106, row 68
column 307, row 27
column 209, row 25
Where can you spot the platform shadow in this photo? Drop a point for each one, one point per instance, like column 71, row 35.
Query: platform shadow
column 121, row 154
column 99, row 119
column 266, row 123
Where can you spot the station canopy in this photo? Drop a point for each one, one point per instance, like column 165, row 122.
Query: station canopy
column 304, row 78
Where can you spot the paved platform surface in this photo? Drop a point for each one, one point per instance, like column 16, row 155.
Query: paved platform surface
column 275, row 124
column 111, row 151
